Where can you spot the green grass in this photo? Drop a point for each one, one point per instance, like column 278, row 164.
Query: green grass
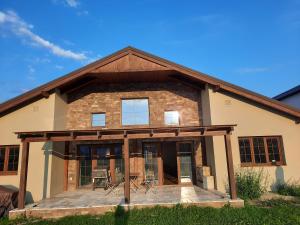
column 273, row 213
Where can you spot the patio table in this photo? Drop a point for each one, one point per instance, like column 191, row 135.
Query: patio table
column 8, row 200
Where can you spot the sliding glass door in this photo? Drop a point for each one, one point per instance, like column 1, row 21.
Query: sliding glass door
column 185, row 156
column 150, row 152
column 85, row 165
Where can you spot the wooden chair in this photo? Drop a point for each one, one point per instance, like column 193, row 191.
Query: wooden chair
column 102, row 176
column 149, row 181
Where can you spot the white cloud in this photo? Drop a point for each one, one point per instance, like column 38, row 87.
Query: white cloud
column 83, row 13
column 59, row 67
column 31, row 69
column 14, row 23
column 72, row 3
column 252, row 70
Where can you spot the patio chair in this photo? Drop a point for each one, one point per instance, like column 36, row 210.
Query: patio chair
column 103, row 177
column 149, row 181
column 119, row 180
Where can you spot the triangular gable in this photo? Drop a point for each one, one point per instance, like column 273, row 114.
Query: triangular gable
column 131, row 59
column 130, row 63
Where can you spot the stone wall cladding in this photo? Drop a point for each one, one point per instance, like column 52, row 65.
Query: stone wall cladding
column 107, row 98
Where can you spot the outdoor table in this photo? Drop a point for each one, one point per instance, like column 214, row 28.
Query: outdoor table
column 8, row 200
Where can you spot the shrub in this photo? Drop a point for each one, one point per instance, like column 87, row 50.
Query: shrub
column 288, row 189
column 251, row 184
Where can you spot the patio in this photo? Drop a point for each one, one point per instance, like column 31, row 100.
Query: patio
column 85, row 201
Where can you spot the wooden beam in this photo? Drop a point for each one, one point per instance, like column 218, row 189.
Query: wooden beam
column 45, row 94
column 216, row 88
column 127, row 171
column 230, row 169
column 66, row 164
column 160, row 164
column 125, row 134
column 99, row 134
column 23, row 175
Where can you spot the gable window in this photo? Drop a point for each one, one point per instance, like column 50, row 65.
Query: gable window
column 135, row 111
column 98, row 120
column 171, row 118
column 261, row 151
column 9, row 160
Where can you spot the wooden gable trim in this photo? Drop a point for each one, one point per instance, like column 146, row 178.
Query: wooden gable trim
column 222, row 85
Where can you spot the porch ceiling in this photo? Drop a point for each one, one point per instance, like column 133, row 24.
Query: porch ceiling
column 121, row 133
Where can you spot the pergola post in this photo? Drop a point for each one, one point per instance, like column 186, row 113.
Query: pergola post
column 127, row 170
column 230, row 169
column 66, row 164
column 23, row 175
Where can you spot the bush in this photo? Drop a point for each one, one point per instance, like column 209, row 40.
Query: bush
column 288, row 189
column 251, row 184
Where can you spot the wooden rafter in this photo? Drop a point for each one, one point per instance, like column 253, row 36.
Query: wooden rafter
column 131, row 133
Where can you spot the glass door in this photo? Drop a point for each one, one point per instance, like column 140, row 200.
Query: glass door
column 150, row 151
column 184, row 155
column 85, row 165
column 119, row 163
column 107, row 157
column 101, row 155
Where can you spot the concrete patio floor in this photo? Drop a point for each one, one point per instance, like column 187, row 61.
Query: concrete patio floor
column 86, row 201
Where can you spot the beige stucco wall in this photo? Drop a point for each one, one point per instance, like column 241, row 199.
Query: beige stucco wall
column 251, row 120
column 57, row 168
column 33, row 117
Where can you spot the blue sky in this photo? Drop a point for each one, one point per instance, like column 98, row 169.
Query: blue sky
column 254, row 44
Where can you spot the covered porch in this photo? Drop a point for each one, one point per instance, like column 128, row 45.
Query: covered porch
column 124, row 137
column 85, row 201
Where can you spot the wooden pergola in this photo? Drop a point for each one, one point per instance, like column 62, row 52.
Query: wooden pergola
column 124, row 134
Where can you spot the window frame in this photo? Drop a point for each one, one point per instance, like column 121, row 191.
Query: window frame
column 282, row 161
column 171, row 124
column 135, row 125
column 92, row 119
column 5, row 171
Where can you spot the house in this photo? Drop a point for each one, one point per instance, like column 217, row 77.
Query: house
column 133, row 112
column 290, row 97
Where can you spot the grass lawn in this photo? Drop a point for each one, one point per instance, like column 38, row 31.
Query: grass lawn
column 273, row 212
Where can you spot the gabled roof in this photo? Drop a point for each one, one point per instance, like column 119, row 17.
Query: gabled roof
column 288, row 93
column 102, row 65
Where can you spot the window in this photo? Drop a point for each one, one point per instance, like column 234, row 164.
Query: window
column 9, row 160
column 135, row 112
column 261, row 151
column 171, row 118
column 98, row 120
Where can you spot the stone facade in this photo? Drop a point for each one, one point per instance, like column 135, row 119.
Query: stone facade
column 107, row 98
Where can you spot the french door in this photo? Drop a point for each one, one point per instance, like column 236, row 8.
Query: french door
column 151, row 153
column 185, row 162
column 101, row 157
column 154, row 162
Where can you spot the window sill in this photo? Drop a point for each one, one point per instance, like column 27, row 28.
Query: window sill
column 9, row 173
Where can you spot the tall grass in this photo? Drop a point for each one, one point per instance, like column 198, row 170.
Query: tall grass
column 288, row 189
column 251, row 184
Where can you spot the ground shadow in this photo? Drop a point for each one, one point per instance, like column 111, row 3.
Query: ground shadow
column 279, row 178
column 121, row 215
